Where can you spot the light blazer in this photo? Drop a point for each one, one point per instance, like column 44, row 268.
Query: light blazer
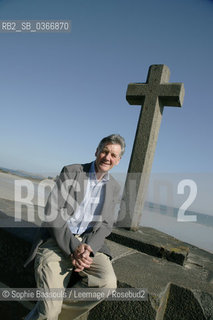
column 63, row 200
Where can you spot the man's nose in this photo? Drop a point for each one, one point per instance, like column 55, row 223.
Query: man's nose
column 108, row 156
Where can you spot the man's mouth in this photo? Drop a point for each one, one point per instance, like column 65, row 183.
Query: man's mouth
column 105, row 163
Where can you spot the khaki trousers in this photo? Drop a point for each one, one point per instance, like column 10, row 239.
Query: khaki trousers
column 53, row 270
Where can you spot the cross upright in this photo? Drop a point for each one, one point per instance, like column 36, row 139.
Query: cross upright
column 152, row 96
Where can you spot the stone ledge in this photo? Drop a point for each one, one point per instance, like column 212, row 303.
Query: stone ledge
column 152, row 242
column 140, row 270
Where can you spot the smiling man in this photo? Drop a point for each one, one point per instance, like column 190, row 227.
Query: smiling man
column 107, row 156
column 82, row 204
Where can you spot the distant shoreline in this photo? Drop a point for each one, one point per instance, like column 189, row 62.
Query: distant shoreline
column 202, row 218
column 24, row 174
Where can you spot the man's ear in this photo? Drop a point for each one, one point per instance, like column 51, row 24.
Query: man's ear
column 96, row 152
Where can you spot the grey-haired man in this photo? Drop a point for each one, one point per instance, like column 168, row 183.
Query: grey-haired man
column 80, row 215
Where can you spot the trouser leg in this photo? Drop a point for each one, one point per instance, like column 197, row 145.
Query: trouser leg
column 52, row 271
column 100, row 275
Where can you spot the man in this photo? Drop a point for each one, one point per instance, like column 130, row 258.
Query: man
column 79, row 216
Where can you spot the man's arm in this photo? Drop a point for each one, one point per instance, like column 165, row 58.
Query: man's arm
column 57, row 214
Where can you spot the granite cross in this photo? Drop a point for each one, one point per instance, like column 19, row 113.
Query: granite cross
column 153, row 96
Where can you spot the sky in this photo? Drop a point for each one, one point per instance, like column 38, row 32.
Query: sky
column 62, row 92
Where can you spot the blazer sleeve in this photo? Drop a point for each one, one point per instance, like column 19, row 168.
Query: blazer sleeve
column 56, row 214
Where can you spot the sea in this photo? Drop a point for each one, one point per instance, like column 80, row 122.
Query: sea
column 165, row 219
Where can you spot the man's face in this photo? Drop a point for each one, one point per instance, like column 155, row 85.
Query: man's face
column 108, row 157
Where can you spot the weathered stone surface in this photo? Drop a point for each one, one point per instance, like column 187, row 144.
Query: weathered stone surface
column 179, row 303
column 123, row 310
column 154, row 274
column 118, row 250
column 206, row 301
column 152, row 242
column 200, row 259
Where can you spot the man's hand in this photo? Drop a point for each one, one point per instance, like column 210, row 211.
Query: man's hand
column 81, row 257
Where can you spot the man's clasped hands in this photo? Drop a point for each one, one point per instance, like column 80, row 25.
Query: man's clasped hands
column 81, row 257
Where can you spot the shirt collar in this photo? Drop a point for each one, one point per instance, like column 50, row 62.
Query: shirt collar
column 93, row 174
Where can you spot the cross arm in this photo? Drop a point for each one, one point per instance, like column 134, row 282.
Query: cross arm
column 171, row 94
column 136, row 93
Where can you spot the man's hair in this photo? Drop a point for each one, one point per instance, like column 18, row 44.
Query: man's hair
column 113, row 139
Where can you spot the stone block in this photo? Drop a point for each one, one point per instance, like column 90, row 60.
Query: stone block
column 179, row 303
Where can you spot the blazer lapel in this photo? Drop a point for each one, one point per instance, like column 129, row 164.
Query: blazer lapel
column 82, row 179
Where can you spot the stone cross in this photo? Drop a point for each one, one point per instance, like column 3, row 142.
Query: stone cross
column 152, row 96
